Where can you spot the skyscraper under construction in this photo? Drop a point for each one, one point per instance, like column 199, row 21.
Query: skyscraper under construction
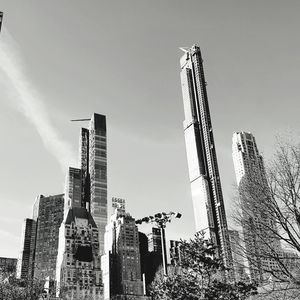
column 204, row 175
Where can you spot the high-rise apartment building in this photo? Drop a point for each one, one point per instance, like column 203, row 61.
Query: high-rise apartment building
column 73, row 189
column 93, row 166
column 26, row 258
column 40, row 239
column 98, row 174
column 49, row 218
column 258, row 224
column 204, row 174
column 121, row 265
column 154, row 240
column 246, row 158
column 84, row 165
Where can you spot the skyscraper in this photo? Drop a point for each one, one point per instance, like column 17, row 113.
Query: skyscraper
column 246, row 158
column 98, row 173
column 50, row 216
column 73, row 189
column 258, row 225
column 93, row 165
column 26, row 259
column 84, row 165
column 121, row 264
column 154, row 241
column 204, row 175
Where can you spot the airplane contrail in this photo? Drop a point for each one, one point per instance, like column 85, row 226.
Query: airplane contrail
column 30, row 103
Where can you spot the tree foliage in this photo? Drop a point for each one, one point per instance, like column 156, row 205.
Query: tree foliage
column 14, row 289
column 200, row 274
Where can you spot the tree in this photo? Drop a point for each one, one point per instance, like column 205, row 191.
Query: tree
column 199, row 275
column 268, row 210
column 15, row 289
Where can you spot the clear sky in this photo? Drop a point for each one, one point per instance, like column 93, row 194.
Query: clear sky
column 61, row 60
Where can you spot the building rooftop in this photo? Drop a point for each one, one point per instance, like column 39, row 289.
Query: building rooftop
column 79, row 212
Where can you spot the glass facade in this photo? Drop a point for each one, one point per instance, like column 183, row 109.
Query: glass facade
column 84, row 165
column 98, row 174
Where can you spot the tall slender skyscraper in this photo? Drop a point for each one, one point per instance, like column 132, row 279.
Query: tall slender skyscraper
column 98, row 174
column 84, row 165
column 93, row 168
column 259, row 226
column 204, row 175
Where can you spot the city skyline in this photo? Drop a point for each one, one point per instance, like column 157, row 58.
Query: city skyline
column 75, row 65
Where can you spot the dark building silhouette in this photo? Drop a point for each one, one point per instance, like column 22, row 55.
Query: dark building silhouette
column 143, row 242
column 151, row 255
column 26, row 259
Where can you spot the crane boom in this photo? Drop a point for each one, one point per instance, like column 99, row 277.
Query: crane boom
column 1, row 18
column 80, row 120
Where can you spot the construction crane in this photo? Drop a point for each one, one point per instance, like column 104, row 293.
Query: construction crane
column 80, row 120
column 1, row 18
